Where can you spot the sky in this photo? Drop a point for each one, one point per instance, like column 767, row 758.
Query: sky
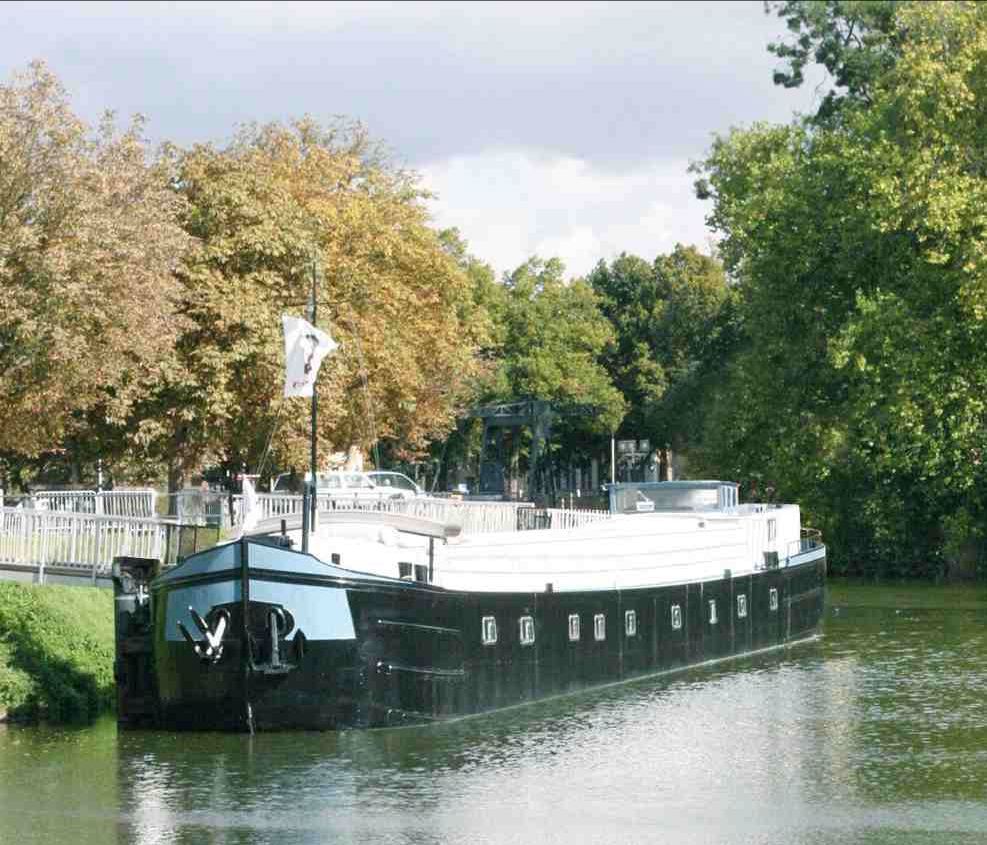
column 558, row 129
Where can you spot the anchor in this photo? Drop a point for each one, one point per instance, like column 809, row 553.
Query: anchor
column 210, row 648
column 279, row 623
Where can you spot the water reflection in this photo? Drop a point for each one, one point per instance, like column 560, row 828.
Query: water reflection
column 876, row 734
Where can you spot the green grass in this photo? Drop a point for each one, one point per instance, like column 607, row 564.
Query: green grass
column 56, row 652
column 843, row 592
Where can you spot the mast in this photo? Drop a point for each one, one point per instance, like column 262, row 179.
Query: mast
column 310, row 499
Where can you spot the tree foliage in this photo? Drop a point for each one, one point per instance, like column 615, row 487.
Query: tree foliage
column 278, row 205
column 854, row 40
column 672, row 320
column 89, row 239
column 550, row 339
column 859, row 247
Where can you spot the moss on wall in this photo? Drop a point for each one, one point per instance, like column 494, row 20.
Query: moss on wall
column 56, row 652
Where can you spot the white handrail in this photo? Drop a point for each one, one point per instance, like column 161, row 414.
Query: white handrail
column 471, row 517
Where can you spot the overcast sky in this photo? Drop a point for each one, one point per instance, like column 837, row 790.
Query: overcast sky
column 556, row 129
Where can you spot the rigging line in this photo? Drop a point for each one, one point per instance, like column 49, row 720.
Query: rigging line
column 270, row 439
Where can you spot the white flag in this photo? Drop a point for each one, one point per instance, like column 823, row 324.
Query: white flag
column 304, row 348
column 251, row 507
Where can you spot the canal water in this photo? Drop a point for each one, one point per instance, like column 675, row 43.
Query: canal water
column 876, row 733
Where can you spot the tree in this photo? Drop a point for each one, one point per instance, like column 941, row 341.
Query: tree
column 552, row 338
column 859, row 247
column 89, row 237
column 672, row 320
column 854, row 40
column 279, row 204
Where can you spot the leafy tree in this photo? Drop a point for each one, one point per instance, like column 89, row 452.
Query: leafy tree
column 854, row 40
column 860, row 247
column 672, row 322
column 552, row 337
column 89, row 237
column 279, row 204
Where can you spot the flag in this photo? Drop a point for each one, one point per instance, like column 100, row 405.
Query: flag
column 251, row 507
column 304, row 348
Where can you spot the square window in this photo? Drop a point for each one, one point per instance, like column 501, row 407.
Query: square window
column 574, row 627
column 489, row 630
column 676, row 617
column 742, row 606
column 712, row 612
column 599, row 627
column 630, row 623
column 773, row 599
column 526, row 626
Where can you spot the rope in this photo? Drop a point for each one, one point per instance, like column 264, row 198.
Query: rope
column 270, row 439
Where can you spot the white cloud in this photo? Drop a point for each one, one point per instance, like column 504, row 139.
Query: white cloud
column 512, row 204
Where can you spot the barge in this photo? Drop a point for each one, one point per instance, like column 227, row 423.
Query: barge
column 391, row 618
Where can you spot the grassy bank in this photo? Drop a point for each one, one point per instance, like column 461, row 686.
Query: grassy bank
column 56, row 652
column 847, row 592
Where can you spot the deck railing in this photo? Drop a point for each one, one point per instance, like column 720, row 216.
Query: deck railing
column 472, row 517
column 60, row 540
column 811, row 538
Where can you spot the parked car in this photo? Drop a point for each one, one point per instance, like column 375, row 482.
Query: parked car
column 353, row 486
column 396, row 483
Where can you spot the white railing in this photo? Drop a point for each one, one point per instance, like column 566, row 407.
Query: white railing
column 138, row 502
column 88, row 543
column 76, row 541
column 472, row 517
column 566, row 518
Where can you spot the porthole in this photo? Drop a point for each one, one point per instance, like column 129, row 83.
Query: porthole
column 742, row 606
column 676, row 617
column 773, row 599
column 630, row 622
column 574, row 627
column 526, row 626
column 712, row 612
column 599, row 627
column 489, row 627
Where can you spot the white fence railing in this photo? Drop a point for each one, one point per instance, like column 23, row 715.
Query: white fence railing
column 472, row 517
column 138, row 502
column 566, row 518
column 88, row 543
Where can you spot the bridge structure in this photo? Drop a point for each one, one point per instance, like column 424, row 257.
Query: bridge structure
column 502, row 424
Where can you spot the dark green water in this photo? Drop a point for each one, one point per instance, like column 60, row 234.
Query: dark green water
column 875, row 734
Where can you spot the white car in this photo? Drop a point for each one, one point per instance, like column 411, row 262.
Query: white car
column 396, row 483
column 353, row 486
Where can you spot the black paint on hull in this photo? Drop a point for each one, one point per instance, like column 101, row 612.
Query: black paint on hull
column 418, row 653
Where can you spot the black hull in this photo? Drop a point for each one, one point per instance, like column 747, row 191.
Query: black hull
column 415, row 653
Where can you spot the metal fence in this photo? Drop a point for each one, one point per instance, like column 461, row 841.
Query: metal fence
column 136, row 502
column 79, row 542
